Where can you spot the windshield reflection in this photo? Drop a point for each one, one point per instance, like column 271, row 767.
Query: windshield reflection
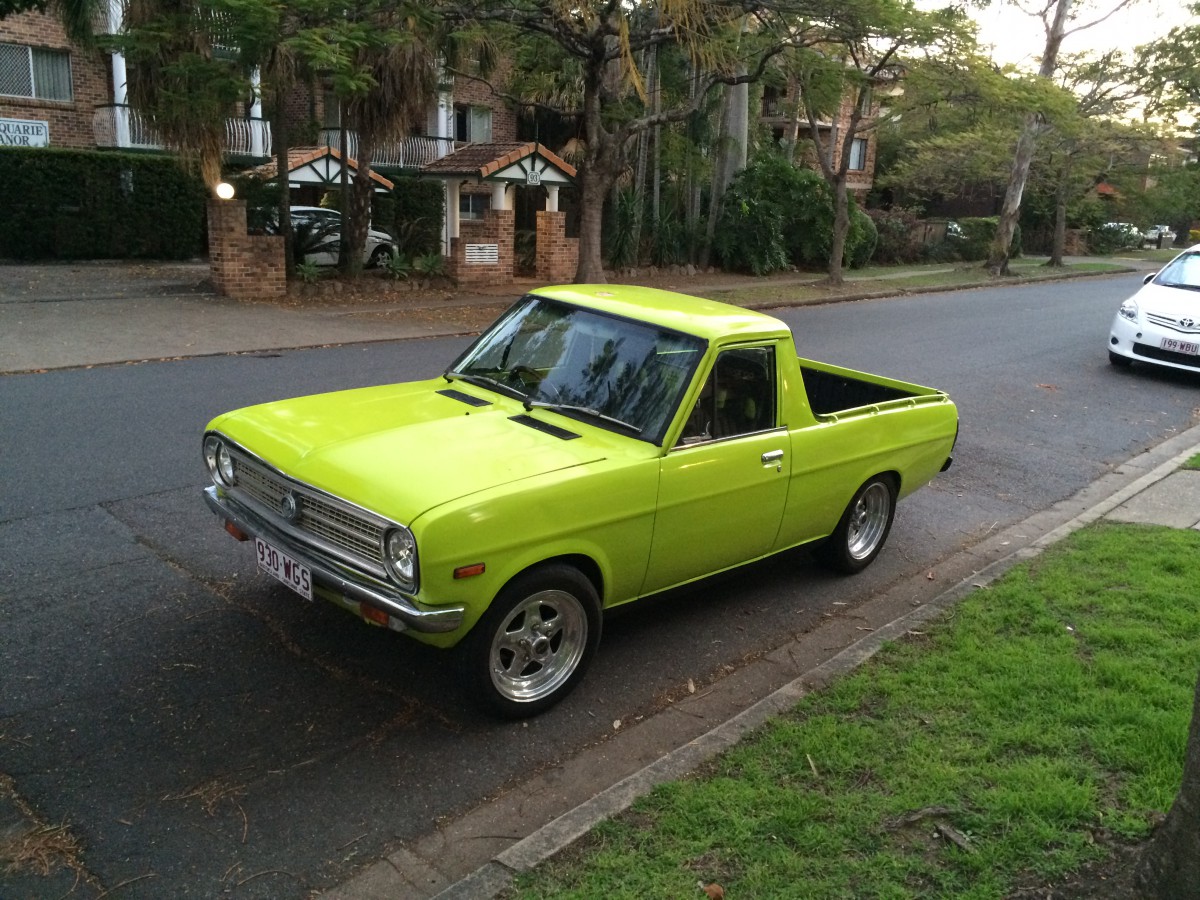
column 623, row 375
column 1182, row 272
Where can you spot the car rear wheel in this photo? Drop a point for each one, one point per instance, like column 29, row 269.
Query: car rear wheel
column 1118, row 360
column 534, row 643
column 863, row 529
column 378, row 257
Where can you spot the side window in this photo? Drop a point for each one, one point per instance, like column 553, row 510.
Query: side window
column 737, row 398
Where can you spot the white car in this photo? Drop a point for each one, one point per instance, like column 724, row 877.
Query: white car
column 1160, row 324
column 1158, row 236
column 328, row 224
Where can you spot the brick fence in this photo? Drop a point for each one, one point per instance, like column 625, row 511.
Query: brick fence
column 243, row 265
column 557, row 254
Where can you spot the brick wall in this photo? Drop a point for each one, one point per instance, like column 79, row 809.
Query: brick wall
column 243, row 266
column 496, row 227
column 91, row 74
column 475, row 93
column 557, row 254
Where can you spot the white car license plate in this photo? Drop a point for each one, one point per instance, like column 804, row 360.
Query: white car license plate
column 282, row 567
column 1180, row 346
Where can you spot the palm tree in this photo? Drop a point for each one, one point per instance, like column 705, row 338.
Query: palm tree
column 402, row 69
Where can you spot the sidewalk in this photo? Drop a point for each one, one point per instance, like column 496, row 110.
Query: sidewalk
column 69, row 315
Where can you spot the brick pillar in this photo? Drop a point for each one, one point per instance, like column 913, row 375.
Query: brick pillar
column 557, row 255
column 496, row 230
column 244, row 266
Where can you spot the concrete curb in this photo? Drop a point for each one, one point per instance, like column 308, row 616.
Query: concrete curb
column 997, row 554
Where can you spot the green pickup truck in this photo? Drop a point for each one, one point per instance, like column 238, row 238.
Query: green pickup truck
column 597, row 444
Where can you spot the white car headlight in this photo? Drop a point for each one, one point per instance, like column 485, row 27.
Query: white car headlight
column 219, row 462
column 400, row 555
column 1129, row 310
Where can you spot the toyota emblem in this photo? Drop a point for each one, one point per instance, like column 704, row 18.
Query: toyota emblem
column 289, row 505
column 1187, row 323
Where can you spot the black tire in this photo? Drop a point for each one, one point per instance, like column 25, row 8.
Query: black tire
column 863, row 529
column 1121, row 362
column 378, row 257
column 533, row 645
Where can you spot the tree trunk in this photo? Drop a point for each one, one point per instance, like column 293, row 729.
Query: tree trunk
column 1060, row 222
column 997, row 263
column 1169, row 867
column 359, row 205
column 841, row 227
column 592, row 188
column 731, row 156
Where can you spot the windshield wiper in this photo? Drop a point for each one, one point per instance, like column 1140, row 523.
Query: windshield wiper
column 1179, row 284
column 583, row 411
column 485, row 382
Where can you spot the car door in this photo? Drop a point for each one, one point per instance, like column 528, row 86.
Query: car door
column 723, row 487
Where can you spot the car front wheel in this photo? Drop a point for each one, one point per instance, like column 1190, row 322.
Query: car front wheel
column 863, row 528
column 534, row 643
column 378, row 257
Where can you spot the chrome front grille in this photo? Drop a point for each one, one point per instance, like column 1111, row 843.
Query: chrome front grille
column 321, row 519
column 1186, row 326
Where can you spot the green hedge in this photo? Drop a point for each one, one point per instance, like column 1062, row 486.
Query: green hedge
column 419, row 212
column 85, row 204
column 975, row 239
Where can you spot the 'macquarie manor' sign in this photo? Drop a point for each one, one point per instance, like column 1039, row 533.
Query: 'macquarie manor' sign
column 24, row 133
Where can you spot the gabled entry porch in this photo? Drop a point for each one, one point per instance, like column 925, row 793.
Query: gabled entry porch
column 481, row 250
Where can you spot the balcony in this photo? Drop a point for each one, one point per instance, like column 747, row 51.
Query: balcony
column 407, row 153
column 122, row 127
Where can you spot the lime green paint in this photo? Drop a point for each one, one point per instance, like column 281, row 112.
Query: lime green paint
column 477, row 487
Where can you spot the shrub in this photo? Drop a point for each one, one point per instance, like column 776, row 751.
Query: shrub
column 897, row 229
column 977, row 237
column 85, row 204
column 861, row 240
column 419, row 209
column 397, row 266
column 775, row 213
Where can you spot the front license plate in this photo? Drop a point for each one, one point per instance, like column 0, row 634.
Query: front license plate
column 1180, row 346
column 282, row 567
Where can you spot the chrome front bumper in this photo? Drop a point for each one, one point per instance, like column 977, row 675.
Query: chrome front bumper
column 337, row 576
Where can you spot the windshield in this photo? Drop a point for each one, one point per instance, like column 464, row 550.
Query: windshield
column 620, row 374
column 1181, row 272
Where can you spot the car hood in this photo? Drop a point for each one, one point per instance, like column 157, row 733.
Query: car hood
column 400, row 450
column 1176, row 303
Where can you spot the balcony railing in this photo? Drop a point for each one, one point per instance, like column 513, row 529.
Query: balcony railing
column 407, row 153
column 121, row 126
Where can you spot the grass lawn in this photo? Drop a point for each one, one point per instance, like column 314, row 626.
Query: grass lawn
column 1030, row 736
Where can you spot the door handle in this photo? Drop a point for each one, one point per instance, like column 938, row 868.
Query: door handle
column 773, row 458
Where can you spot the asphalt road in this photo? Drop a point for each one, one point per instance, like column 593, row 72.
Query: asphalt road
column 203, row 732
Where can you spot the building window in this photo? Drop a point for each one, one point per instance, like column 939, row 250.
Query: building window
column 858, row 155
column 473, row 206
column 472, row 123
column 35, row 73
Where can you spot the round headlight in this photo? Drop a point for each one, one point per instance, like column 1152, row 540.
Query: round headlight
column 400, row 554
column 219, row 462
column 1129, row 310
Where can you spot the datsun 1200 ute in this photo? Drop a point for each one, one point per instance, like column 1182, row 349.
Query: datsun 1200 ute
column 595, row 445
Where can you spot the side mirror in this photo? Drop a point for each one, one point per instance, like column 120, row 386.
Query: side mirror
column 1149, row 278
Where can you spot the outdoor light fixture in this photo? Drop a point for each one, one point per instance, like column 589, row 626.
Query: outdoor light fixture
column 225, row 190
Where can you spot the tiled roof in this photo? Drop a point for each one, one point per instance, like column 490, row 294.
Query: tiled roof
column 481, row 160
column 298, row 157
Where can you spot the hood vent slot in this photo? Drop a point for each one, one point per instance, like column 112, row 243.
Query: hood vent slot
column 545, row 427
column 464, row 398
